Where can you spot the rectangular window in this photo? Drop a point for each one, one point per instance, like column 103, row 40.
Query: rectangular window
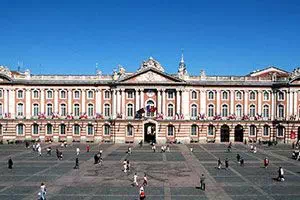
column 35, row 130
column 210, row 131
column 1, row 93
column 129, row 130
column 194, row 130
column 130, row 95
column 90, row 130
column 63, row 94
column 49, row 129
column 49, row 94
column 106, row 130
column 170, row 131
column 20, row 94
column 266, row 131
column 170, row 95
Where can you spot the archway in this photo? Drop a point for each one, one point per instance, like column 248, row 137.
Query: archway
column 239, row 133
column 149, row 133
column 224, row 133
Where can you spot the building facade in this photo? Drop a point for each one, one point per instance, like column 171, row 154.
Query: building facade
column 150, row 105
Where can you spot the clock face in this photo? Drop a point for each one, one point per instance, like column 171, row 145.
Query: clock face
column 150, row 93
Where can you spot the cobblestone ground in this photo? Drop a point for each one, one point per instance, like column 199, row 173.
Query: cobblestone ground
column 172, row 175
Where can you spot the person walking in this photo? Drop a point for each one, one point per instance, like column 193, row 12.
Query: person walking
column 255, row 149
column 125, row 165
column 76, row 163
column 153, row 148
column 10, row 163
column 129, row 150
column 202, row 183
column 128, row 166
column 40, row 150
column 42, row 193
column 266, row 162
column 219, row 164
column 280, row 174
column 135, row 183
column 145, row 182
column 77, row 151
column 242, row 162
column 142, row 193
column 88, row 148
column 226, row 163
column 238, row 157
column 49, row 151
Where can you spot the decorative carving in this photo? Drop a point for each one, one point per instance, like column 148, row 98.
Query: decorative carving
column 151, row 77
column 4, row 70
column 151, row 63
column 295, row 73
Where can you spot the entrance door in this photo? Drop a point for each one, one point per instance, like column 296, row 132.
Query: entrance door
column 238, row 133
column 224, row 133
column 149, row 133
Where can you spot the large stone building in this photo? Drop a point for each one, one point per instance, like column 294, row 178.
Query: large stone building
column 150, row 104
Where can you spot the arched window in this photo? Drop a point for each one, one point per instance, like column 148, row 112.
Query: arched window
column 76, row 110
column 90, row 112
column 224, row 95
column 280, row 111
column 266, row 111
column 266, row 96
column 20, row 94
column 211, row 95
column 238, row 110
column 238, row 95
column 170, row 130
column 194, row 110
column 20, row 129
column 194, row 130
column 49, row 129
column 106, row 110
column 63, row 94
column 280, row 131
column 62, row 129
column 252, row 95
column 35, row 94
column 252, row 111
column 106, row 129
column 49, row 109
column 129, row 110
column 1, row 130
column 76, row 94
column 194, row 95
column 224, row 110
column 129, row 130
column 252, row 131
column 35, row 111
column 266, row 130
column 20, row 109
column 63, row 109
column 280, row 96
column 35, row 129
column 90, row 129
column 76, row 129
column 1, row 109
column 211, row 130
column 170, row 110
column 90, row 94
column 106, row 94
column 49, row 94
column 150, row 106
column 211, row 110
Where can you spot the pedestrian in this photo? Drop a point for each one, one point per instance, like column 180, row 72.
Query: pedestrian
column 162, row 149
column 229, row 147
column 242, row 162
column 135, row 183
column 280, row 174
column 26, row 144
column 128, row 166
column 129, row 151
column 96, row 159
column 76, row 163
column 42, row 193
column 100, row 152
column 226, row 163
column 251, row 148
column 40, row 150
column 125, row 165
column 87, row 148
column 142, row 193
column 168, row 148
column 141, row 143
column 49, row 151
column 34, row 147
column 154, row 148
column 202, row 183
column 145, row 182
column 10, row 163
column 266, row 162
column 238, row 157
column 254, row 150
column 219, row 164
column 100, row 161
column 77, row 151
column 192, row 149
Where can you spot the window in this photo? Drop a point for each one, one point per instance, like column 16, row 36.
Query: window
column 266, row 130
column 35, row 111
column 170, row 110
column 280, row 111
column 194, row 110
column 280, row 96
column 1, row 129
column 62, row 129
column 35, row 94
column 194, row 130
column 76, row 109
column 106, row 129
column 280, row 131
column 20, row 129
column 1, row 109
column 76, row 129
column 90, row 110
column 49, row 109
column 170, row 94
column 150, row 108
column 20, row 109
column 211, row 110
column 63, row 109
column 252, row 95
column 211, row 130
column 252, row 111
column 211, row 95
column 20, row 94
column 238, row 95
column 170, row 130
column 1, row 93
column 194, row 95
column 129, row 130
column 266, row 111
column 238, row 111
column 106, row 110
column 90, row 129
column 49, row 129
column 224, row 111
column 224, row 95
column 49, row 94
column 252, row 131
column 130, row 94
column 106, row 94
column 76, row 94
column 129, row 110
column 266, row 96
column 63, row 94
column 90, row 94
column 35, row 129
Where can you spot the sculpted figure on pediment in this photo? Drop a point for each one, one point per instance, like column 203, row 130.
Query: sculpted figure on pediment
column 4, row 70
column 151, row 63
column 295, row 73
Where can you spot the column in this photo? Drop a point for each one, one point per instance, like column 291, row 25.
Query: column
column 118, row 101
column 202, row 101
column 42, row 100
column 70, row 101
column 11, row 102
column 137, row 99
column 56, row 100
column 186, row 103
column 123, row 95
column 291, row 103
column 163, row 105
column 5, row 100
column 273, row 105
column 231, row 102
column 158, row 101
column 246, row 102
column 295, row 103
column 178, row 102
column 218, row 102
column 114, row 102
column 97, row 100
column 27, row 104
column 288, row 104
column 83, row 96
column 259, row 102
column 142, row 98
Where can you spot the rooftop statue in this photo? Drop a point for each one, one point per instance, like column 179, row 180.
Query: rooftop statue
column 151, row 63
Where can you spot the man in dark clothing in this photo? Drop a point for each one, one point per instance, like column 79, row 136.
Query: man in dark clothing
column 202, row 183
column 10, row 163
column 219, row 164
column 238, row 157
column 242, row 162
column 96, row 158
column 226, row 163
column 76, row 164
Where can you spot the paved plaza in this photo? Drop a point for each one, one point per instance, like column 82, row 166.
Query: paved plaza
column 171, row 175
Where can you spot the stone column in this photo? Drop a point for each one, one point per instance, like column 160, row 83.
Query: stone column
column 142, row 98
column 218, row 102
column 11, row 102
column 288, row 104
column 137, row 99
column 203, row 102
column 259, row 102
column 83, row 97
column 246, row 102
column 178, row 101
column 70, row 101
column 295, row 103
column 97, row 100
column 163, row 106
column 186, row 103
column 114, row 102
column 123, row 110
column 5, row 99
column 273, row 113
column 42, row 100
column 27, row 104
column 231, row 102
column 291, row 103
column 56, row 100
column 158, row 101
column 118, row 101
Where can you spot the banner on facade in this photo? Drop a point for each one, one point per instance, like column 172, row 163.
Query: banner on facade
column 293, row 135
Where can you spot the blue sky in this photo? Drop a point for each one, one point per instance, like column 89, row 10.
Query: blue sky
column 221, row 37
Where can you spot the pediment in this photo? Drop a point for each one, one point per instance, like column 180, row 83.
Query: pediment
column 269, row 72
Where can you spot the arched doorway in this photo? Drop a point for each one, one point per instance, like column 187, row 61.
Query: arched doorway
column 149, row 133
column 239, row 133
column 224, row 133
